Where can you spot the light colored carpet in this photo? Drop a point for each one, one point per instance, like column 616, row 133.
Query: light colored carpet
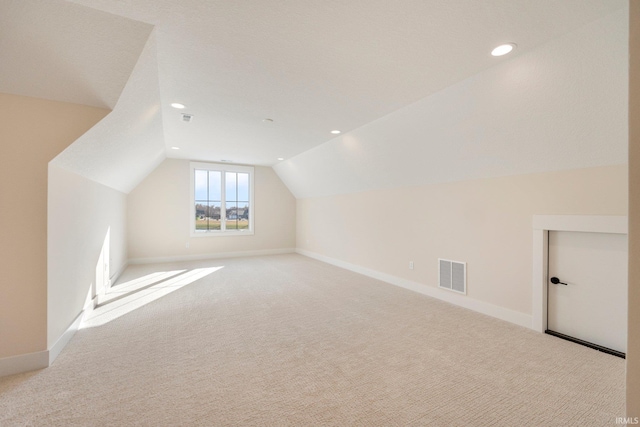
column 286, row 340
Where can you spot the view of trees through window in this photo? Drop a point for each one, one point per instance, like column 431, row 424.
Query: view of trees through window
column 218, row 192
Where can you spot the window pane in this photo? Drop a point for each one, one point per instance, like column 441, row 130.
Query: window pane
column 243, row 186
column 201, row 216
column 243, row 216
column 232, row 216
column 231, row 193
column 207, row 216
column 214, row 216
column 215, row 186
column 200, row 185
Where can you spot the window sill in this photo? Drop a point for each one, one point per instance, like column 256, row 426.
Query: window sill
column 221, row 233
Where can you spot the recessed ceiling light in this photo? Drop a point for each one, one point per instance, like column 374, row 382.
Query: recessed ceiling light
column 335, row 132
column 503, row 49
column 177, row 105
column 267, row 120
column 175, row 148
column 280, row 158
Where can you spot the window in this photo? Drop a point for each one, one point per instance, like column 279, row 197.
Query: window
column 221, row 199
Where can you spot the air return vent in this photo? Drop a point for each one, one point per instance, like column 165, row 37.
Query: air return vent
column 187, row 117
column 453, row 275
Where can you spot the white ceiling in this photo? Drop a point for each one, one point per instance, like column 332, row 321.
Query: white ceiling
column 560, row 106
column 63, row 52
column 311, row 66
column 314, row 66
column 125, row 146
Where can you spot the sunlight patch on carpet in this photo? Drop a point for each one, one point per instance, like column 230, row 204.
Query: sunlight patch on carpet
column 139, row 293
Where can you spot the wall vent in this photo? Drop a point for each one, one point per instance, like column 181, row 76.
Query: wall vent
column 187, row 117
column 452, row 275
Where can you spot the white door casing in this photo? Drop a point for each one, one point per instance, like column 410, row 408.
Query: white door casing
column 542, row 224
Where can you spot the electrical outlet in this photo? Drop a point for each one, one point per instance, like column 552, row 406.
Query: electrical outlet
column 410, row 265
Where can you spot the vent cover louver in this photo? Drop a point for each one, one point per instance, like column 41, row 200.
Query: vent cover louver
column 452, row 275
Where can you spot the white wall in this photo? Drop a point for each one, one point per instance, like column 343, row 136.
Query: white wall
column 159, row 213
column 81, row 215
column 460, row 174
column 486, row 223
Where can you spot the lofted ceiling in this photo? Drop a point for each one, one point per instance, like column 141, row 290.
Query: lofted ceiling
column 563, row 105
column 125, row 146
column 56, row 50
column 310, row 66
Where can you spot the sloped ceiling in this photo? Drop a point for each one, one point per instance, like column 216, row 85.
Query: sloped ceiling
column 560, row 106
column 314, row 66
column 128, row 143
column 309, row 66
column 64, row 52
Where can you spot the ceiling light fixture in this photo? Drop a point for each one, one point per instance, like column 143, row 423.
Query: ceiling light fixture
column 335, row 132
column 503, row 49
column 175, row 148
column 267, row 120
column 177, row 105
column 280, row 158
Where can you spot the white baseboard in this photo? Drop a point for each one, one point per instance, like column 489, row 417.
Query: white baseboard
column 64, row 339
column 39, row 359
column 42, row 359
column 502, row 313
column 199, row 257
column 24, row 363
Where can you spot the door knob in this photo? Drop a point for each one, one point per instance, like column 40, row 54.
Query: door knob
column 557, row 281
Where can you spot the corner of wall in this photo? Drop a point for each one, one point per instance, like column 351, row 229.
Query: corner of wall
column 498, row 312
column 633, row 341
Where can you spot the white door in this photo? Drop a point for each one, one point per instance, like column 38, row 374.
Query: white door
column 590, row 301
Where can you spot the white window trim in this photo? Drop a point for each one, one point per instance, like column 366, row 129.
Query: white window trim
column 223, row 167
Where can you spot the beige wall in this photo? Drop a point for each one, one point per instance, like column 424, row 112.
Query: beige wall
column 486, row 223
column 82, row 213
column 158, row 216
column 633, row 342
column 32, row 131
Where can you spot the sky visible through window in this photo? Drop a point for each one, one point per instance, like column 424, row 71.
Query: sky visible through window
column 211, row 190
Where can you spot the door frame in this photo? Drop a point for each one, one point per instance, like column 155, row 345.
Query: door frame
column 542, row 224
